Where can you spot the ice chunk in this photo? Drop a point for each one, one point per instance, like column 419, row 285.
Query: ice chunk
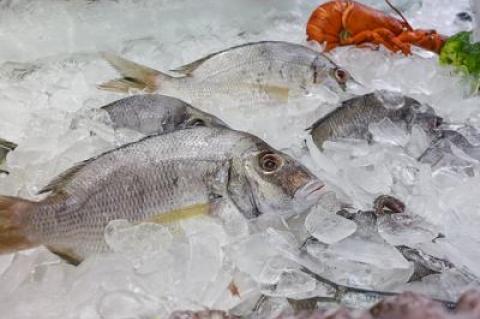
column 251, row 256
column 376, row 263
column 123, row 305
column 476, row 19
column 405, row 229
column 291, row 283
column 373, row 178
column 327, row 227
column 418, row 141
column 447, row 286
column 387, row 132
column 122, row 236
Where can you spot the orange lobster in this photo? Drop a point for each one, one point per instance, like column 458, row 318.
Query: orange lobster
column 346, row 22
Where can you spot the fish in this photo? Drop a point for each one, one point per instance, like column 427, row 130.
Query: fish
column 454, row 147
column 187, row 172
column 258, row 71
column 152, row 114
column 5, row 148
column 353, row 117
column 423, row 263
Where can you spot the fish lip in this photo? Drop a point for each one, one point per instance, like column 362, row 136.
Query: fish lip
column 309, row 193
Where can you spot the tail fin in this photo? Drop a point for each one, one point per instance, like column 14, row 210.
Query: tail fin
column 13, row 219
column 135, row 76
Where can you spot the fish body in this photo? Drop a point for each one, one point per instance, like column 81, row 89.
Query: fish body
column 253, row 71
column 187, row 172
column 152, row 114
column 352, row 119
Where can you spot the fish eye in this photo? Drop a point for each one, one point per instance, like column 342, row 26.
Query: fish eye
column 341, row 75
column 197, row 122
column 270, row 162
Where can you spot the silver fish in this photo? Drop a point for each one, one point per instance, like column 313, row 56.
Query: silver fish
column 157, row 114
column 267, row 70
column 354, row 116
column 159, row 179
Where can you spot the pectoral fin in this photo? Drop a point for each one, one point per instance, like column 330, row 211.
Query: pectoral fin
column 183, row 213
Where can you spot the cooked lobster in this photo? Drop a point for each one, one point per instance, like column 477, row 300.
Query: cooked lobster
column 347, row 22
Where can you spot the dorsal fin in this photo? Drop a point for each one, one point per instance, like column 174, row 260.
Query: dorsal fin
column 188, row 69
column 59, row 182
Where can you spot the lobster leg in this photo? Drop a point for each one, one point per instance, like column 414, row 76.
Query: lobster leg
column 380, row 36
column 330, row 41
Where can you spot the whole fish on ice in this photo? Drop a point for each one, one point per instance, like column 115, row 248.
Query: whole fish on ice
column 157, row 114
column 266, row 70
column 157, row 179
column 353, row 118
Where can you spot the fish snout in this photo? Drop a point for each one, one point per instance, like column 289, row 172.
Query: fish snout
column 310, row 193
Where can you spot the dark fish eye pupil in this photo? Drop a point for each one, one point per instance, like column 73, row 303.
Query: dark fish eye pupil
column 341, row 75
column 270, row 162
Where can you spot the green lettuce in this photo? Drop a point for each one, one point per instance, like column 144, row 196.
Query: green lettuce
column 460, row 52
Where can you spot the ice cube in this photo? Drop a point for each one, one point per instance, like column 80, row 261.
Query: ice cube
column 406, row 229
column 291, row 283
column 447, row 286
column 387, row 132
column 476, row 18
column 327, row 227
column 251, row 255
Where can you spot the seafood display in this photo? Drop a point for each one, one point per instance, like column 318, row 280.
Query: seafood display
column 270, row 178
column 348, row 22
column 252, row 71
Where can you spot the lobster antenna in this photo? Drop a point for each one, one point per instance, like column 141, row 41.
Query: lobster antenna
column 400, row 14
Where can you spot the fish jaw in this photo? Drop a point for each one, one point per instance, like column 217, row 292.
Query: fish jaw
column 308, row 195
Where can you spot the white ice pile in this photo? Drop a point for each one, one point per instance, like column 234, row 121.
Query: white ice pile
column 476, row 19
column 49, row 69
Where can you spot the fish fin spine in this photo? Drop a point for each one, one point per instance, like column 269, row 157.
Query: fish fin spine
column 14, row 214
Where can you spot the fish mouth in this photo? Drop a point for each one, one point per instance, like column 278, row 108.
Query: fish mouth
column 309, row 193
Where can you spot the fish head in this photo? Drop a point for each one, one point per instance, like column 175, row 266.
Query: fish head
column 196, row 118
column 333, row 76
column 278, row 183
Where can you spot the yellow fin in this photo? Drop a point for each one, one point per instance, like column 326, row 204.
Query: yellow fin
column 181, row 214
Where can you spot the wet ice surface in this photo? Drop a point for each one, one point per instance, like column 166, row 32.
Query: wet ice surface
column 48, row 71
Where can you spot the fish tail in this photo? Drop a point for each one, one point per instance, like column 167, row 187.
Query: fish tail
column 135, row 76
column 14, row 214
